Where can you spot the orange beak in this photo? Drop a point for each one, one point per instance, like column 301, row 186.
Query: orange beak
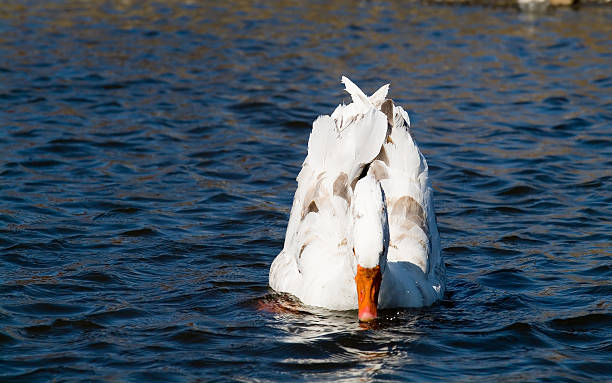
column 368, row 285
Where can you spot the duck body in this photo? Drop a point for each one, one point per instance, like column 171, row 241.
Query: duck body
column 363, row 202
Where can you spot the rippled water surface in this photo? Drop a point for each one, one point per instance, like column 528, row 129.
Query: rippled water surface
column 149, row 155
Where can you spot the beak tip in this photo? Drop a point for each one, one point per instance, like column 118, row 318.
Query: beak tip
column 366, row 316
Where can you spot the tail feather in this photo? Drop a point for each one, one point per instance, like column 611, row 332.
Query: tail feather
column 347, row 151
column 357, row 94
column 379, row 96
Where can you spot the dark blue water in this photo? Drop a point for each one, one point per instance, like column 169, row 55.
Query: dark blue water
column 148, row 163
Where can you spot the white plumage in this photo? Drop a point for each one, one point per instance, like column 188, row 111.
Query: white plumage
column 363, row 197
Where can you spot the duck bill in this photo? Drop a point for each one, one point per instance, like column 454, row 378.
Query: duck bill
column 368, row 284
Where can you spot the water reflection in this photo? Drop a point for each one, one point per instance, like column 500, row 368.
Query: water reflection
column 330, row 341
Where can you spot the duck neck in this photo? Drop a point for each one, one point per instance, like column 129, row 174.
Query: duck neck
column 370, row 224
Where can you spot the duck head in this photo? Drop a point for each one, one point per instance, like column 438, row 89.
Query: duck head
column 370, row 244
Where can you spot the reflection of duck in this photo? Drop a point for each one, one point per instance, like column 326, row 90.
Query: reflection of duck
column 362, row 220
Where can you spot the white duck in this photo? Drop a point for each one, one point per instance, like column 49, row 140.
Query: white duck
column 362, row 221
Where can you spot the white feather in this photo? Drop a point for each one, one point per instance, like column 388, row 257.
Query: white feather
column 386, row 216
